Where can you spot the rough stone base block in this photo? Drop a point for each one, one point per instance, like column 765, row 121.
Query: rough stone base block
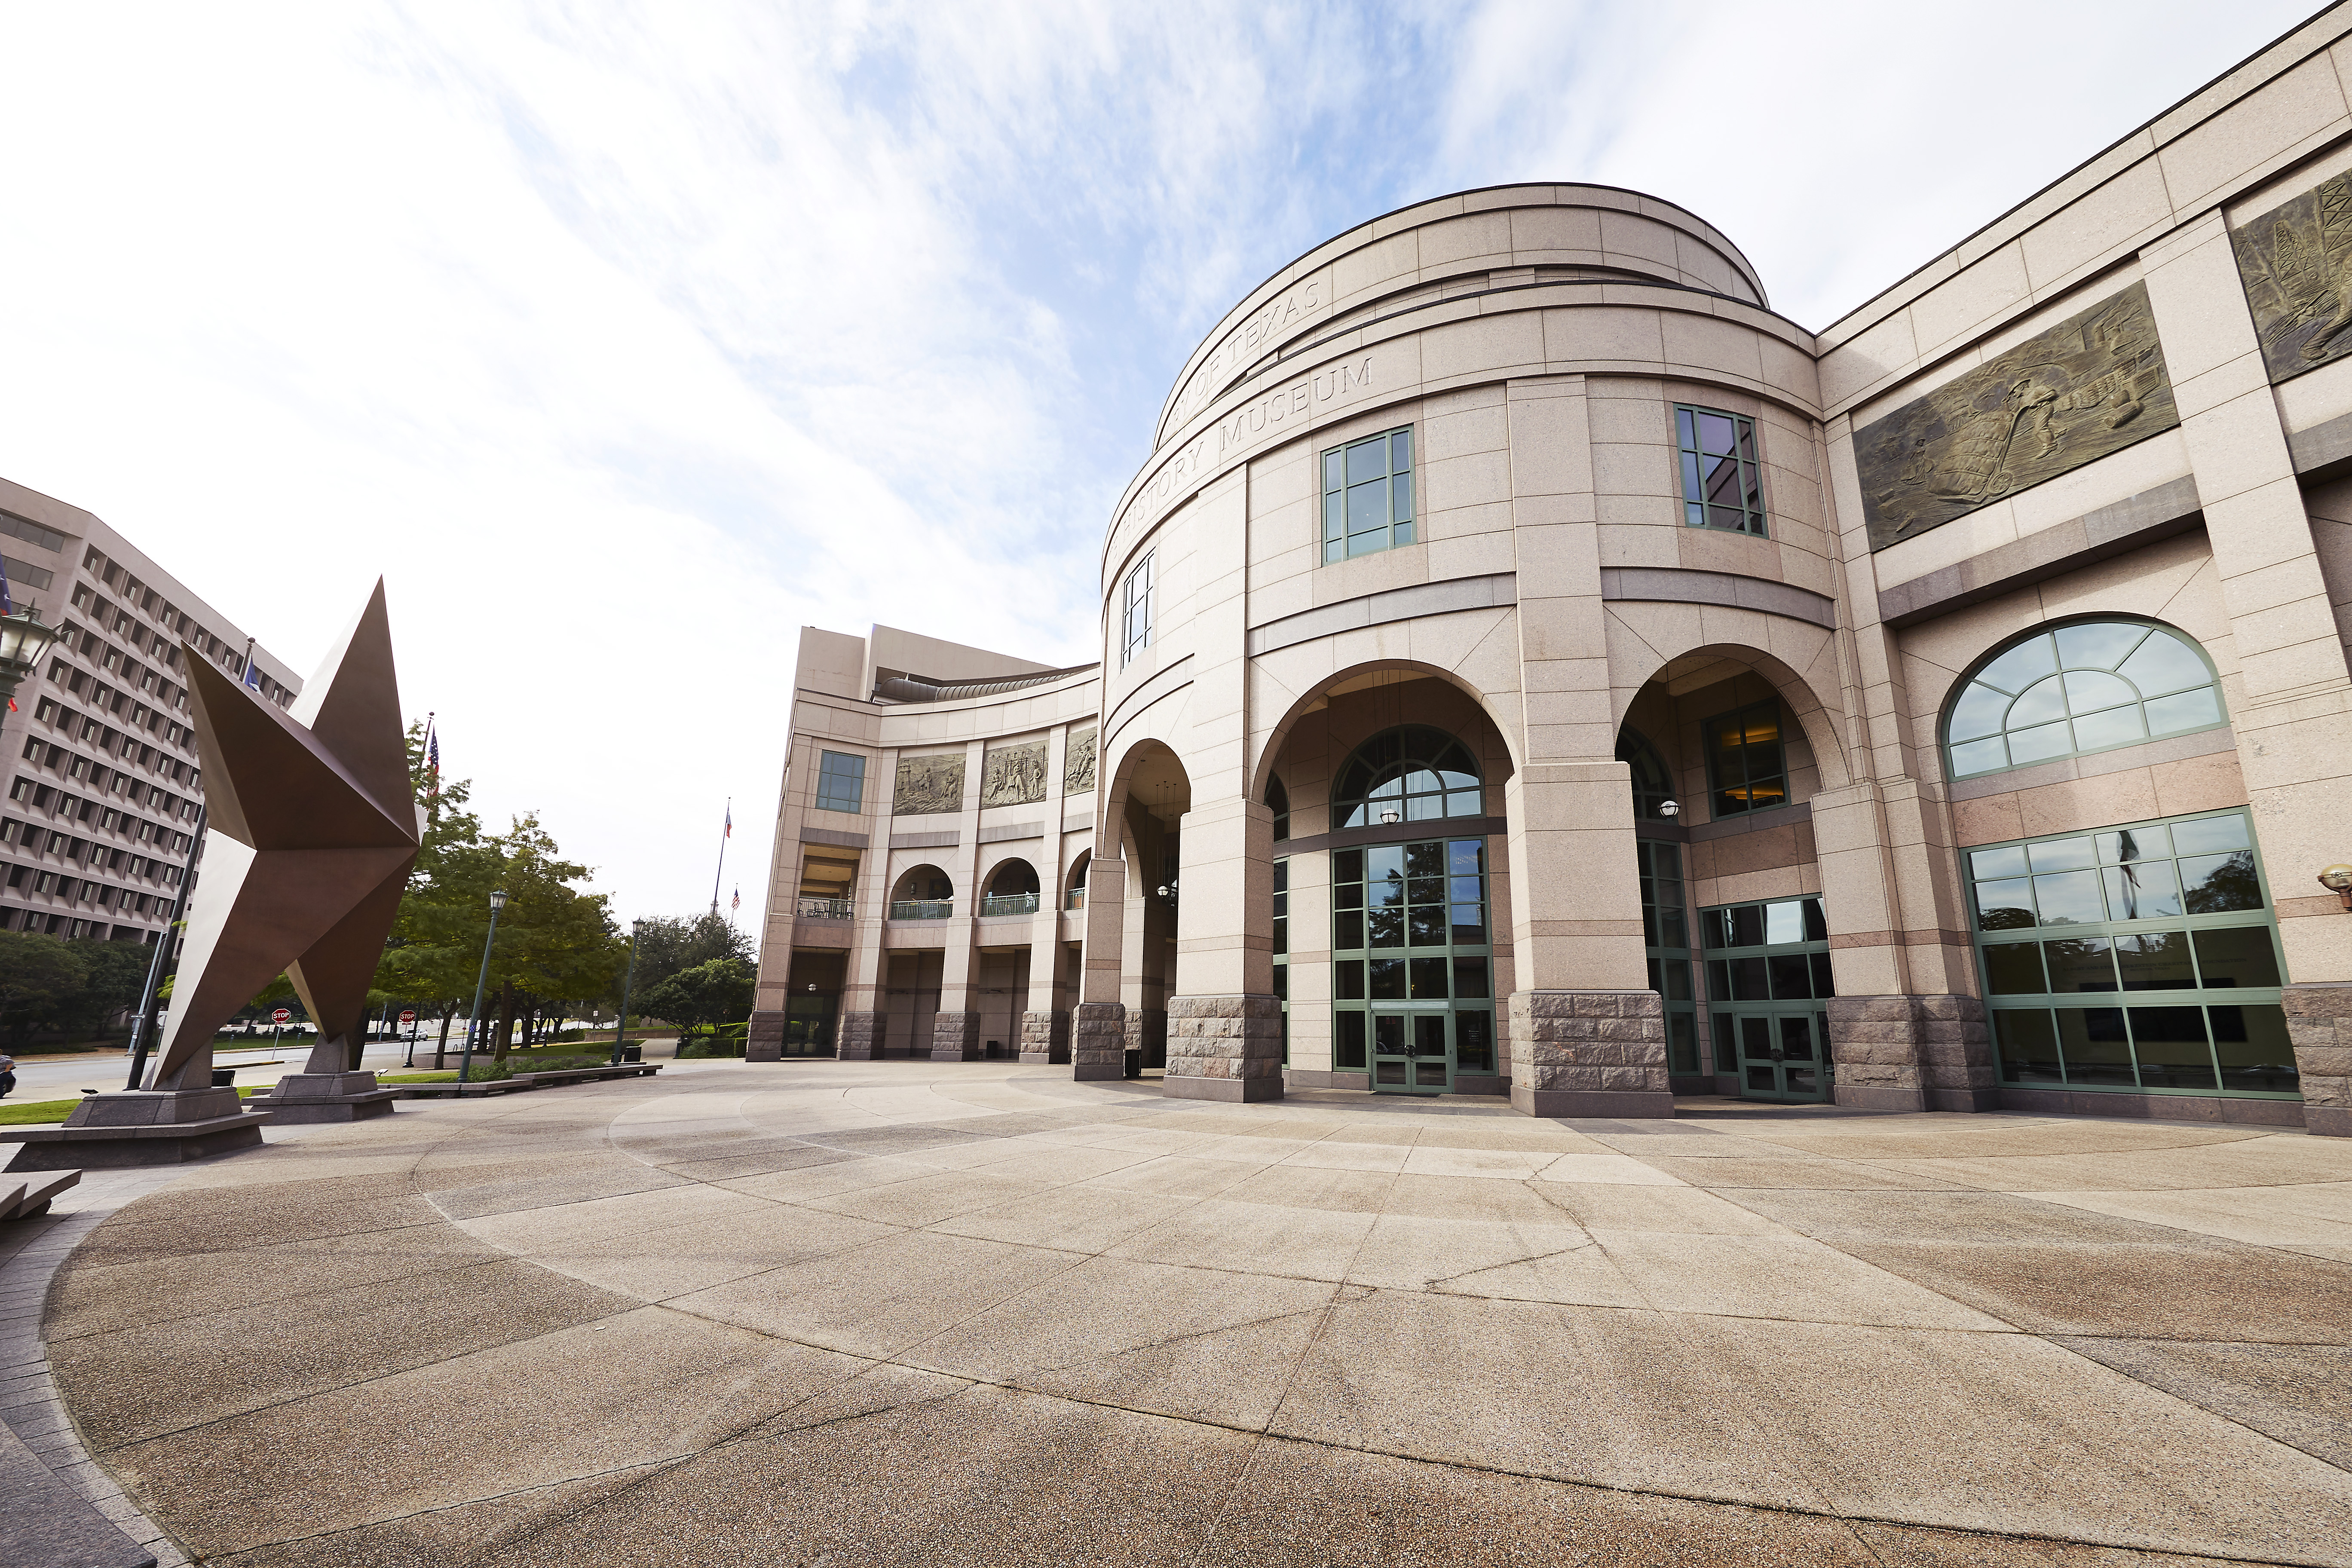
column 765, row 1040
column 2319, row 1026
column 304, row 1097
column 955, row 1038
column 1225, row 1047
column 1589, row 1048
column 859, row 1036
column 141, row 1127
column 1098, row 1042
column 1912, row 1052
column 1044, row 1037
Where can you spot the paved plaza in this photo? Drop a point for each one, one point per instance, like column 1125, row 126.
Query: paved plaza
column 895, row 1312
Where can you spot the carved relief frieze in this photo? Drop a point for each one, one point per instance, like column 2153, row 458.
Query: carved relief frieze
column 928, row 785
column 2093, row 384
column 1013, row 775
column 2295, row 261
column 1078, row 767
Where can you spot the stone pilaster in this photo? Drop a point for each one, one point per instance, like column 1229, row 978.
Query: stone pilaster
column 1045, row 1036
column 1099, row 1041
column 2319, row 1026
column 955, row 1038
column 857, row 1036
column 1912, row 1052
column 1225, row 1047
column 765, row 1040
column 1589, row 1053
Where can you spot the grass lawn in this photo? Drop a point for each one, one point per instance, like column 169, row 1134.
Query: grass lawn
column 35, row 1112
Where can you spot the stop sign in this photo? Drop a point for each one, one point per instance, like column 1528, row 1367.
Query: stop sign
column 281, row 1016
column 408, row 1017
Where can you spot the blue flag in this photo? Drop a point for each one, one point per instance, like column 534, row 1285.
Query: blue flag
column 8, row 599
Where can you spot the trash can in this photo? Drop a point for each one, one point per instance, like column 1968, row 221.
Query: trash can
column 1135, row 1064
column 633, row 1053
column 224, row 1078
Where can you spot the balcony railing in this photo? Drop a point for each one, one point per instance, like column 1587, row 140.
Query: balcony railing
column 825, row 909
column 1077, row 898
column 1009, row 904
column 921, row 909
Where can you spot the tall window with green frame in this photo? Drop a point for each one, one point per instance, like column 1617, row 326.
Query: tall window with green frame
column 1368, row 495
column 1282, row 948
column 1409, row 926
column 840, row 781
column 1722, row 485
column 1666, row 933
column 1748, row 765
column 2141, row 957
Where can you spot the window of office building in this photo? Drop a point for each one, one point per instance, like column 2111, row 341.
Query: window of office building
column 2087, row 687
column 1745, row 762
column 1411, row 773
column 1412, row 987
column 1368, row 495
column 1135, row 615
column 1722, row 485
column 1277, row 801
column 1665, row 937
column 1653, row 782
column 1282, row 949
column 2137, row 958
column 840, row 782
column 1768, row 972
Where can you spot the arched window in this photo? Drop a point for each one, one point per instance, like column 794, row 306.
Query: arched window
column 2089, row 685
column 1074, row 895
column 1277, row 801
column 1411, row 773
column 1653, row 782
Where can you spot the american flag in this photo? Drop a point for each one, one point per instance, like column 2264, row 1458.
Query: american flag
column 432, row 757
column 738, row 902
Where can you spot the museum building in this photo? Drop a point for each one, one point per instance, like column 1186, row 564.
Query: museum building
column 1533, row 667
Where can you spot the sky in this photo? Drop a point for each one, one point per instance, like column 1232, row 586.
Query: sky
column 624, row 340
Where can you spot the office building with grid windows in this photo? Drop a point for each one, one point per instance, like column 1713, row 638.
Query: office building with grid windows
column 1534, row 665
column 104, row 786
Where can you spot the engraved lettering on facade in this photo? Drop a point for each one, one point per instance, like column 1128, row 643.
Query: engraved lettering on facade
column 1078, row 766
column 2295, row 261
column 1246, row 342
column 1013, row 775
column 928, row 785
column 2093, row 384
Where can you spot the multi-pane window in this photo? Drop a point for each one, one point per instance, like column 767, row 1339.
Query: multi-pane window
column 1135, row 617
column 1745, row 758
column 1768, row 972
column 840, row 782
column 1282, row 950
column 1653, row 782
column 1412, row 962
column 2088, row 687
column 1411, row 773
column 1368, row 495
column 2137, row 958
column 1277, row 801
column 1665, row 935
column 1722, row 486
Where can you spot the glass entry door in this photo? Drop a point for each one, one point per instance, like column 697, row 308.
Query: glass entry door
column 1410, row 1053
column 808, row 1026
column 1782, row 1056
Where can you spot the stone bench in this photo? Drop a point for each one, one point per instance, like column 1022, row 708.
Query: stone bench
column 522, row 1081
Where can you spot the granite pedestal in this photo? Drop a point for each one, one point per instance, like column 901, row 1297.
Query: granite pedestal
column 330, row 1097
column 141, row 1127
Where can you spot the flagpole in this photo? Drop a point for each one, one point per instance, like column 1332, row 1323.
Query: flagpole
column 724, row 834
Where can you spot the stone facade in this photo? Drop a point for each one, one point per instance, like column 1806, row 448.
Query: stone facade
column 2320, row 1024
column 857, row 1036
column 1589, row 1053
column 1225, row 1047
column 1912, row 1052
column 1046, row 1038
column 955, row 1038
column 1099, row 1041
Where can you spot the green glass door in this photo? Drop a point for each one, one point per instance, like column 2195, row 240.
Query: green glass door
column 1410, row 1053
column 808, row 1026
column 1782, row 1056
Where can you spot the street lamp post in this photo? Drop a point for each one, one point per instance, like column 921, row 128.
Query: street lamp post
column 628, row 978
column 466, row 1064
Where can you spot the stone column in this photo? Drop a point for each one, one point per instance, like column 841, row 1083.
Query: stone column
column 2294, row 706
column 858, row 1031
column 1587, row 1036
column 1225, row 1028
column 1099, row 1033
column 955, row 1032
column 1045, row 1018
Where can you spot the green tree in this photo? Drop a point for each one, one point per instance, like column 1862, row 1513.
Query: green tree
column 556, row 942
column 705, row 996
column 436, row 945
column 116, row 974
column 669, row 944
column 41, row 978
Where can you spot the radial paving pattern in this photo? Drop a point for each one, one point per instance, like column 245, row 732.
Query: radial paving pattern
column 895, row 1312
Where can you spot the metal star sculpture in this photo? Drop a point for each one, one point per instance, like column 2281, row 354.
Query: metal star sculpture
column 312, row 833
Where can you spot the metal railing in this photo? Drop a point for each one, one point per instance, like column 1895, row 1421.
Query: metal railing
column 1078, row 900
column 825, row 909
column 1009, row 904
column 921, row 909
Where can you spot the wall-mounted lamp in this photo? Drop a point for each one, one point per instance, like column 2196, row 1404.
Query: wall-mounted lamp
column 1391, row 817
column 1168, row 891
column 2337, row 879
column 1670, row 808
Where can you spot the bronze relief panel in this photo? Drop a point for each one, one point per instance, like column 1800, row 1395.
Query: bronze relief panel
column 1078, row 765
column 2295, row 261
column 1013, row 775
column 2093, row 384
column 928, row 785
